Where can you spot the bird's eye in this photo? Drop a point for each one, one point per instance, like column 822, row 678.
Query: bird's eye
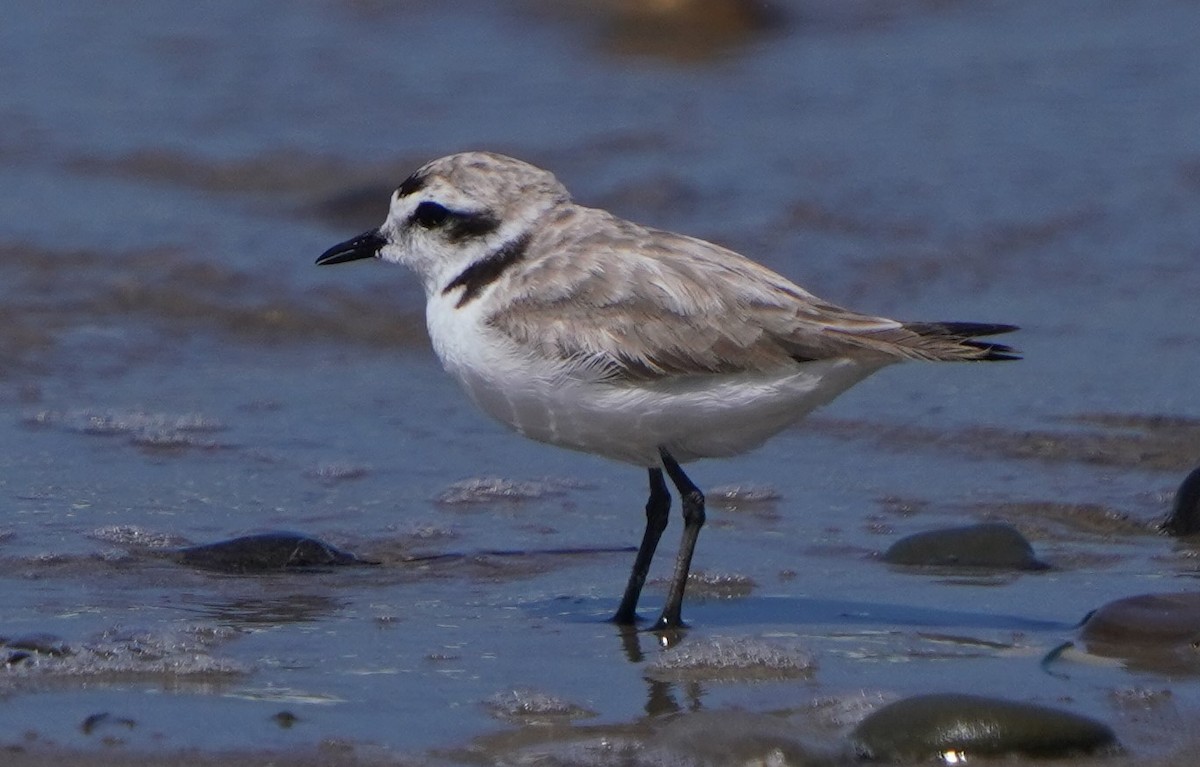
column 430, row 215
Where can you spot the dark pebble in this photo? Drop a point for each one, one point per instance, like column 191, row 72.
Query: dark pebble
column 1185, row 512
column 285, row 719
column 992, row 545
column 105, row 719
column 1146, row 619
column 40, row 643
column 265, row 552
column 934, row 726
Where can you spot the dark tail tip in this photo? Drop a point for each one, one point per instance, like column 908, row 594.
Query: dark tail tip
column 994, row 352
column 964, row 333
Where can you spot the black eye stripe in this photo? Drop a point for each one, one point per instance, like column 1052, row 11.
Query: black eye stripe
column 459, row 225
column 462, row 226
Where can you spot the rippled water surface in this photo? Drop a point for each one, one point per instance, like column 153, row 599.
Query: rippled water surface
column 174, row 370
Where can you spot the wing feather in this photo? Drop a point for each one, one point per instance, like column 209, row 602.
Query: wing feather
column 635, row 304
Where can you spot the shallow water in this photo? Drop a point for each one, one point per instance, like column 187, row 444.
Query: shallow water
column 175, row 370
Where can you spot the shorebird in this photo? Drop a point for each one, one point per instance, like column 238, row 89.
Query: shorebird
column 580, row 329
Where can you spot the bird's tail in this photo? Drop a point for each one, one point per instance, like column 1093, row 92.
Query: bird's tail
column 956, row 340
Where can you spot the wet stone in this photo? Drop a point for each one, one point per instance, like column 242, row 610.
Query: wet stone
column 285, row 719
column 1185, row 511
column 266, row 552
column 39, row 643
column 1146, row 619
column 951, row 726
column 842, row 711
column 105, row 720
column 991, row 545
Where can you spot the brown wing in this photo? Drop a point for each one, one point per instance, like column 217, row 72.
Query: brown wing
column 634, row 304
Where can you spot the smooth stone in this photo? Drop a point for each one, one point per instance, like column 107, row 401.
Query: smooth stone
column 1150, row 632
column 1185, row 511
column 41, row 643
column 285, row 719
column 1146, row 618
column 105, row 719
column 937, row 725
column 994, row 545
column 264, row 552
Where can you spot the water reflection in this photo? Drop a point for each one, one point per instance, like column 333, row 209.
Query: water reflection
column 262, row 611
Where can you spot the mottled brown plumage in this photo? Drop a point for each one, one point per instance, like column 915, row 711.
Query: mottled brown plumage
column 640, row 304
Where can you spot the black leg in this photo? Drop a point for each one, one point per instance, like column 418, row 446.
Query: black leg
column 693, row 520
column 657, row 507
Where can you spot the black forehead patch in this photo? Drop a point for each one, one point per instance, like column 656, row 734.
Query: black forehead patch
column 413, row 183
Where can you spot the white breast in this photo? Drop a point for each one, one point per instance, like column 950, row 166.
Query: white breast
column 693, row 417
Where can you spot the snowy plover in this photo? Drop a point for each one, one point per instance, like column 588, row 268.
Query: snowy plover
column 580, row 329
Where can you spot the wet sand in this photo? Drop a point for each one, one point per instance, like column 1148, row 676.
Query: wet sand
column 175, row 372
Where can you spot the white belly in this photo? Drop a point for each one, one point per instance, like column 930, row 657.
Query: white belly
column 695, row 417
column 699, row 418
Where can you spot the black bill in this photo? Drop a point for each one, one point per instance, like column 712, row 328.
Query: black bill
column 365, row 245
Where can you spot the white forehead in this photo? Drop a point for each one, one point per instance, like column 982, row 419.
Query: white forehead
column 482, row 180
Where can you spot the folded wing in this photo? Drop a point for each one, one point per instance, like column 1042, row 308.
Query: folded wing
column 636, row 305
